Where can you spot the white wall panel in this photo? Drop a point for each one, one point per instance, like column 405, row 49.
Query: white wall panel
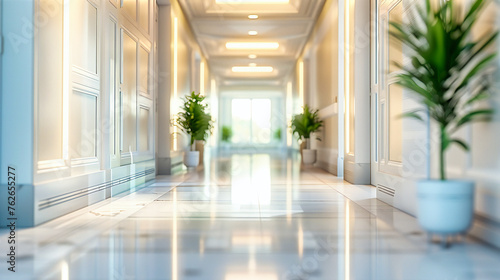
column 144, row 14
column 50, row 83
column 112, row 86
column 71, row 62
column 129, row 93
column 395, row 126
column 84, row 35
column 83, row 125
column 321, row 84
column 144, row 70
column 130, row 8
column 144, row 125
column 483, row 162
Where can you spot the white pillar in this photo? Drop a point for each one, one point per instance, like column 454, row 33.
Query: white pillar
column 17, row 109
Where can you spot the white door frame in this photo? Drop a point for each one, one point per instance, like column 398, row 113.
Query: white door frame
column 385, row 174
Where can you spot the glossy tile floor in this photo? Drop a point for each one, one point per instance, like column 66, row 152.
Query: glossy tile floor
column 244, row 216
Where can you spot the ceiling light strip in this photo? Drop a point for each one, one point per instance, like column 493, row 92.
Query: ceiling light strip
column 252, row 69
column 252, row 45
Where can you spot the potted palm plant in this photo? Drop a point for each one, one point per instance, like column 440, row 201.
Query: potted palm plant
column 227, row 133
column 196, row 123
column 304, row 125
column 448, row 73
column 277, row 134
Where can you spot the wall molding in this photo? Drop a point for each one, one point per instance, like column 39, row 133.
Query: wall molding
column 66, row 197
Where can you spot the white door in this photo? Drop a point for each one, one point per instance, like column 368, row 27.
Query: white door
column 387, row 102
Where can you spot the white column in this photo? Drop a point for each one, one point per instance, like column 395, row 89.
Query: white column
column 164, row 89
column 17, row 109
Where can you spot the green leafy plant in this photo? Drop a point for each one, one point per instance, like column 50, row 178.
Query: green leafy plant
column 306, row 123
column 193, row 118
column 447, row 69
column 227, row 133
column 277, row 134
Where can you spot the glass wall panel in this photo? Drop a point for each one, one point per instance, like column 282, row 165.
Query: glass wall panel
column 241, row 120
column 261, row 121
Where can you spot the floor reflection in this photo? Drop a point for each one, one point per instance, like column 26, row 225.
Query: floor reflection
column 245, row 216
column 251, row 179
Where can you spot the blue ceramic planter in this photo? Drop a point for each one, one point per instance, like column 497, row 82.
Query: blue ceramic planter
column 445, row 207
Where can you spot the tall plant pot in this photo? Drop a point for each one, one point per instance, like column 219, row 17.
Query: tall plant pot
column 445, row 207
column 191, row 158
column 308, row 156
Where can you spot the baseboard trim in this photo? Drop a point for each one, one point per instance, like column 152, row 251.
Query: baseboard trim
column 357, row 173
column 486, row 230
column 66, row 197
column 328, row 167
column 49, row 200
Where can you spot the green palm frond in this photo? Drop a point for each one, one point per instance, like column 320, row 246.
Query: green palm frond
column 449, row 68
column 193, row 118
column 306, row 123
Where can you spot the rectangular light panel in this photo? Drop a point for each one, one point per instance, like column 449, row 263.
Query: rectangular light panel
column 253, row 69
column 252, row 45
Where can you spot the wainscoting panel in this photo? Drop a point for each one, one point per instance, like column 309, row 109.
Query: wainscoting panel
column 56, row 198
column 83, row 125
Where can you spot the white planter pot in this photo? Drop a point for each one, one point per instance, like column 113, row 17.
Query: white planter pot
column 191, row 158
column 445, row 207
column 308, row 156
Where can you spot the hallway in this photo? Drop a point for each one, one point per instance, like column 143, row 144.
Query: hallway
column 245, row 216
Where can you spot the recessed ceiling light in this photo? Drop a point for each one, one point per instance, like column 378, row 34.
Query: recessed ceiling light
column 252, row 69
column 252, row 64
column 252, row 32
column 252, row 56
column 253, row 16
column 252, row 45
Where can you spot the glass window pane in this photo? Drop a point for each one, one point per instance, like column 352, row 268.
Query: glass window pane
column 261, row 121
column 129, row 97
column 241, row 120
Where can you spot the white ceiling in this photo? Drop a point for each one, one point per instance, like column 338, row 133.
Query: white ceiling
column 215, row 23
